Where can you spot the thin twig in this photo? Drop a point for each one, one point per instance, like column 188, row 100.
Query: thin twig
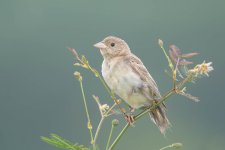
column 103, row 116
column 110, row 136
column 99, row 104
column 110, row 109
column 119, row 136
column 167, row 57
column 89, row 126
column 74, row 52
column 101, row 120
column 98, row 128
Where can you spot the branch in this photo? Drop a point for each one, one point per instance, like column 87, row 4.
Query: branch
column 89, row 126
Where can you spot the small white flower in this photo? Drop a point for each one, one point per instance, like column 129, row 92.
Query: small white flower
column 203, row 68
column 104, row 107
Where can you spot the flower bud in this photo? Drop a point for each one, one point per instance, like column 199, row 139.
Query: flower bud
column 177, row 145
column 115, row 122
column 78, row 75
column 160, row 42
column 203, row 68
column 104, row 108
column 89, row 126
column 77, row 64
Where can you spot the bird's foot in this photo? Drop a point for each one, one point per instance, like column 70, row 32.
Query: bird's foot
column 130, row 119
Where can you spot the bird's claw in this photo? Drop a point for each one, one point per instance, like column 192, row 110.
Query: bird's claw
column 129, row 119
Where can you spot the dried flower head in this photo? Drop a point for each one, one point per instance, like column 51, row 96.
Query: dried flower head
column 203, row 68
column 78, row 75
column 115, row 122
column 177, row 145
column 104, row 108
column 160, row 42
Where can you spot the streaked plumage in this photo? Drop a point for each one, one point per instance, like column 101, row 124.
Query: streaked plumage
column 127, row 76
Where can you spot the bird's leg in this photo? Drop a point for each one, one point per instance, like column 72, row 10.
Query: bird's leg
column 130, row 117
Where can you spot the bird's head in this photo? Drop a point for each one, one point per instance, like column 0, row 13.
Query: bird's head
column 113, row 46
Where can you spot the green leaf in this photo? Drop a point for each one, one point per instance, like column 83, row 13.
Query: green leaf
column 59, row 142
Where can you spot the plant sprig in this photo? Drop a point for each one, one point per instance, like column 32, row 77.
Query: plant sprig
column 59, row 142
column 176, row 62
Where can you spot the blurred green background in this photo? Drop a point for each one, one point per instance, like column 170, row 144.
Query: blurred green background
column 39, row 95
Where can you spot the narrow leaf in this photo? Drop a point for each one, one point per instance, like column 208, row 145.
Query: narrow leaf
column 189, row 55
column 59, row 142
column 185, row 62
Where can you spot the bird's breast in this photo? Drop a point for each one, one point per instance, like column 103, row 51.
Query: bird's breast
column 124, row 82
column 116, row 76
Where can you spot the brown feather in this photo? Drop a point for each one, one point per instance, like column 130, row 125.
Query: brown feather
column 139, row 68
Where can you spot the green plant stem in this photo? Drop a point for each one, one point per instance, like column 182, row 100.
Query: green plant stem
column 185, row 80
column 89, row 126
column 156, row 105
column 168, row 59
column 119, row 136
column 98, row 128
column 103, row 116
column 110, row 109
column 110, row 136
column 163, row 99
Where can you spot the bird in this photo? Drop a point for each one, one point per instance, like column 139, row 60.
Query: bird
column 127, row 77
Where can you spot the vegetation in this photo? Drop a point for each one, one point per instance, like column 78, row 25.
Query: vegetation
column 179, row 72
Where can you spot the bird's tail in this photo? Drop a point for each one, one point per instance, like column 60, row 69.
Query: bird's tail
column 158, row 116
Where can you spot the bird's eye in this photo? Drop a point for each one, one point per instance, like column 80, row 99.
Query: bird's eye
column 112, row 44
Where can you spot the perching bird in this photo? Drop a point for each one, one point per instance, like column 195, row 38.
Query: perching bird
column 126, row 75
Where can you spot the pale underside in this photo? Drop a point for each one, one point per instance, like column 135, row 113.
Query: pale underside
column 129, row 79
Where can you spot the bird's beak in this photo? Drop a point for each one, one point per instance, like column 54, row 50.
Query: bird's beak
column 100, row 45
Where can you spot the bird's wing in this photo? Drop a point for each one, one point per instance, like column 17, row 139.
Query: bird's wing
column 148, row 82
